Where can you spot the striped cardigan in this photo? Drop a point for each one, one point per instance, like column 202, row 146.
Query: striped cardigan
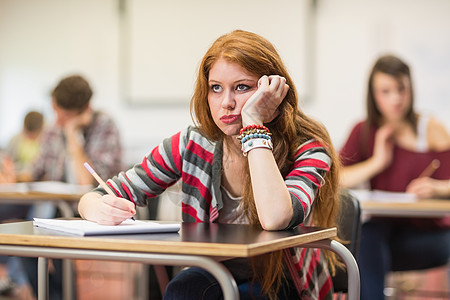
column 198, row 162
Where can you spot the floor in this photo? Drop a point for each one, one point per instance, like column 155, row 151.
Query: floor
column 420, row 285
column 105, row 280
column 116, row 280
column 102, row 280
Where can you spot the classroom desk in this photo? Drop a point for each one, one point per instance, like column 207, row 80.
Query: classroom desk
column 62, row 201
column 421, row 208
column 63, row 196
column 197, row 244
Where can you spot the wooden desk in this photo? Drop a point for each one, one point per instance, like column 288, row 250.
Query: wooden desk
column 197, row 244
column 62, row 201
column 62, row 195
column 420, row 208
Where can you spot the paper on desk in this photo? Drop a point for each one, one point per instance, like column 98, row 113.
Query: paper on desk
column 383, row 196
column 85, row 228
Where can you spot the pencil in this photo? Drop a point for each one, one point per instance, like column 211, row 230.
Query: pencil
column 100, row 181
column 429, row 170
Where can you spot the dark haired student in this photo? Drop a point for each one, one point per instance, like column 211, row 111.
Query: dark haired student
column 80, row 134
column 390, row 151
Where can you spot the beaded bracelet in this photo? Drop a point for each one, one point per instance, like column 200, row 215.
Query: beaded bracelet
column 256, row 143
column 253, row 133
column 255, row 136
column 254, row 126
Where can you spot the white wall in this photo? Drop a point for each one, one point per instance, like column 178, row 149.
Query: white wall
column 41, row 41
column 45, row 40
column 161, row 63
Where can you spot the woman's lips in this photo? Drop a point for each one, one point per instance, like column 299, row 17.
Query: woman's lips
column 227, row 119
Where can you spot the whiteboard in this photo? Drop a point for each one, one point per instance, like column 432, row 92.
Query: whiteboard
column 163, row 42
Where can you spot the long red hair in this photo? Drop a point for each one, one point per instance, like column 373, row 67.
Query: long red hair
column 289, row 129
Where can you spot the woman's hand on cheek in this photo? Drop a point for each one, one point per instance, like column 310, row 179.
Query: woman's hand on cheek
column 262, row 106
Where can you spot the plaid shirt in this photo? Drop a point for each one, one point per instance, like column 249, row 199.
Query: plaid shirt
column 101, row 144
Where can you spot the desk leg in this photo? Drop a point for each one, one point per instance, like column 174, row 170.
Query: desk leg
column 68, row 280
column 42, row 278
column 223, row 276
column 67, row 269
column 350, row 264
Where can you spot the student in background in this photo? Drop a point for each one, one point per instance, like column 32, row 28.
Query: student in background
column 253, row 157
column 24, row 147
column 17, row 161
column 390, row 150
column 80, row 134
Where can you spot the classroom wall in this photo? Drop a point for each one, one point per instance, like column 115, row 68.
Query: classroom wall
column 154, row 59
column 41, row 41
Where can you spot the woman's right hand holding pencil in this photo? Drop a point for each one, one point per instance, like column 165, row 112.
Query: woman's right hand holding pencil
column 426, row 187
column 106, row 209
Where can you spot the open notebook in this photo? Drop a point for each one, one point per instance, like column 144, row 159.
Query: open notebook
column 383, row 196
column 86, row 228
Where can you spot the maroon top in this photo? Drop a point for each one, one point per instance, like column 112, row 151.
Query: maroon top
column 406, row 165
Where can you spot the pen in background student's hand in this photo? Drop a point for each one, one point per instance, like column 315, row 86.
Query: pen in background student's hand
column 101, row 182
column 429, row 170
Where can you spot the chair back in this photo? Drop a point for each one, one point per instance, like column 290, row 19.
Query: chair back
column 349, row 224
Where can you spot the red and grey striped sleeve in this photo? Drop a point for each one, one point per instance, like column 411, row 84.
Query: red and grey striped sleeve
column 303, row 182
column 157, row 171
